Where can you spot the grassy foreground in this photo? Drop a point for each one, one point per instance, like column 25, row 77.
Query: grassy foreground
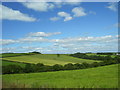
column 48, row 59
column 99, row 77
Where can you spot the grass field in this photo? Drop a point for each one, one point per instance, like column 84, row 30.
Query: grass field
column 5, row 63
column 100, row 77
column 48, row 59
column 14, row 54
column 99, row 55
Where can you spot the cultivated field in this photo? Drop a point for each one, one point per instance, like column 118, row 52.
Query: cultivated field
column 48, row 59
column 99, row 77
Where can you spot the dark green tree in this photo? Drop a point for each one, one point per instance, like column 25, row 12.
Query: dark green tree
column 57, row 67
column 69, row 66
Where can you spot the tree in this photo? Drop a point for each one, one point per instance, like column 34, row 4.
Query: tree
column 77, row 66
column 11, row 69
column 28, row 68
column 85, row 65
column 95, row 64
column 39, row 64
column 57, row 67
column 40, row 67
column 58, row 55
column 35, row 52
column 69, row 66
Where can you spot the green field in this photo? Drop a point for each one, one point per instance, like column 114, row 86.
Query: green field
column 5, row 63
column 90, row 54
column 14, row 54
column 48, row 59
column 99, row 77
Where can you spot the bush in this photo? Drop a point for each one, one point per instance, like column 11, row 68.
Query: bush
column 69, row 66
column 57, row 67
column 11, row 69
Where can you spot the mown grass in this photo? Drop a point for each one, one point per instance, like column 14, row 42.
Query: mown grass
column 48, row 59
column 99, row 77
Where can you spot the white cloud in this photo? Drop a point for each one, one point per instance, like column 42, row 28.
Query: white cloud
column 64, row 45
column 45, row 6
column 88, row 44
column 39, row 6
column 66, row 16
column 31, row 37
column 60, row 4
column 42, row 34
column 7, row 41
column 54, row 18
column 102, row 39
column 112, row 6
column 78, row 12
column 10, row 14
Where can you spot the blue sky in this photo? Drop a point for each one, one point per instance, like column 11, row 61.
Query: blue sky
column 59, row 27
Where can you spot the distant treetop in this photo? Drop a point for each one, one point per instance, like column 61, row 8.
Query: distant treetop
column 35, row 52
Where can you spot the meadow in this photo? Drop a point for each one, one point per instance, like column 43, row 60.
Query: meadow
column 14, row 54
column 91, row 54
column 6, row 62
column 48, row 59
column 99, row 77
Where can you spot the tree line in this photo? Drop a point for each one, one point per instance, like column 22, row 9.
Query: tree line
column 96, row 57
column 18, row 54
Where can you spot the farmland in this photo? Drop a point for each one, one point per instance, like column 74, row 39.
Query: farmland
column 73, row 73
column 5, row 63
column 99, row 77
column 48, row 59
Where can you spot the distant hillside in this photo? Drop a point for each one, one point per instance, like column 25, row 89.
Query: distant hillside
column 48, row 59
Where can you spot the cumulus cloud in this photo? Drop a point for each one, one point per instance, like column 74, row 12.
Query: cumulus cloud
column 63, row 45
column 30, row 38
column 61, row 3
column 88, row 44
column 7, row 41
column 43, row 34
column 78, row 12
column 83, row 40
column 39, row 6
column 112, row 6
column 45, row 6
column 10, row 14
column 54, row 18
column 66, row 16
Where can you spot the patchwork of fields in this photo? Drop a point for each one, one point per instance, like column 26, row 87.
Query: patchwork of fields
column 99, row 77
column 48, row 59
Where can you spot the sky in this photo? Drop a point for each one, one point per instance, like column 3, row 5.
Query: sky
column 59, row 27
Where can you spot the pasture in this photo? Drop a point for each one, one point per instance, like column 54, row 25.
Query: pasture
column 90, row 54
column 48, row 59
column 5, row 63
column 99, row 77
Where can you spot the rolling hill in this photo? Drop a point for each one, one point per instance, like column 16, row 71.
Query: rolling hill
column 99, row 77
column 48, row 59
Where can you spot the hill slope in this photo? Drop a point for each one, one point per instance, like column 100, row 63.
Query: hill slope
column 100, row 77
column 48, row 59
